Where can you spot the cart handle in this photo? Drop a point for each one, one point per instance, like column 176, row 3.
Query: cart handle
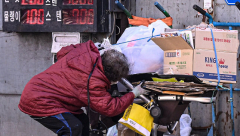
column 203, row 12
column 205, row 100
column 161, row 9
column 238, row 5
column 120, row 5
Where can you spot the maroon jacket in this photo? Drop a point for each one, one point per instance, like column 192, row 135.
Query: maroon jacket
column 63, row 86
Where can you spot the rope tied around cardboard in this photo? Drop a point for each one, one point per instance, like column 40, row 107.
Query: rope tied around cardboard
column 152, row 35
column 217, row 65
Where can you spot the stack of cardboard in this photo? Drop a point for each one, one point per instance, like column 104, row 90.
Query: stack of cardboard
column 199, row 60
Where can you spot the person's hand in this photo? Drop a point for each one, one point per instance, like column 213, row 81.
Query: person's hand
column 138, row 90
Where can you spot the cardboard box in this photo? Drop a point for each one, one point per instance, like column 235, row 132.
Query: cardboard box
column 178, row 55
column 225, row 40
column 181, row 58
column 178, row 61
column 204, row 66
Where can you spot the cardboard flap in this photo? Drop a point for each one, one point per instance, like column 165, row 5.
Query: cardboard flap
column 171, row 43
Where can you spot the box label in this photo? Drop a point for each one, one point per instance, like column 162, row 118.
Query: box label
column 178, row 53
column 205, row 65
column 231, row 36
column 173, row 54
column 215, row 76
column 217, row 39
column 181, row 66
column 170, row 54
column 221, row 62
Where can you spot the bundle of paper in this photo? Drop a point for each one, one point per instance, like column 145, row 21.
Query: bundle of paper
column 178, row 88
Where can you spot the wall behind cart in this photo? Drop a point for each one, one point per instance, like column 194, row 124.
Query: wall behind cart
column 183, row 15
column 22, row 55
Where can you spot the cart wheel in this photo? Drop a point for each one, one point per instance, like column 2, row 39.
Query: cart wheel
column 155, row 112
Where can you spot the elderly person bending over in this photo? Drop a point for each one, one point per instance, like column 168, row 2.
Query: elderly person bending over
column 55, row 96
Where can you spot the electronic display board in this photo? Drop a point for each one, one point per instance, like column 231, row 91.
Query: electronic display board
column 55, row 16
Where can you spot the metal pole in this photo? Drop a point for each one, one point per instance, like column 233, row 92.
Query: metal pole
column 226, row 24
column 232, row 110
column 155, row 129
column 172, row 129
column 127, row 84
column 236, row 89
column 123, row 9
column 213, row 117
column 231, row 101
column 161, row 9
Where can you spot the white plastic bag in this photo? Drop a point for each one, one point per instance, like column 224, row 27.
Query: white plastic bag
column 144, row 55
column 107, row 46
column 138, row 32
column 144, row 59
column 185, row 125
column 112, row 131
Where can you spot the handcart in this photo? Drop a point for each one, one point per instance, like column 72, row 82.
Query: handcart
column 168, row 104
column 168, row 107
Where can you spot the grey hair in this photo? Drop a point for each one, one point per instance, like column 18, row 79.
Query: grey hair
column 115, row 65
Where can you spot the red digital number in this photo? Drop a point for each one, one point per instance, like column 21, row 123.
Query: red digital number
column 75, row 13
column 28, row 17
column 83, row 2
column 24, row 2
column 83, row 13
column 40, row 17
column 90, row 2
column 82, row 16
column 74, row 3
column 90, row 16
column 40, row 2
column 35, row 16
column 80, row 2
column 32, row 2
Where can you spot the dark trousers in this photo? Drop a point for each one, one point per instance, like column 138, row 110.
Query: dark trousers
column 66, row 124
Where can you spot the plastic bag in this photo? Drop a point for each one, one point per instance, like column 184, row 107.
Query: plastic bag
column 140, row 123
column 185, row 125
column 138, row 32
column 107, row 46
column 144, row 55
column 144, row 59
column 170, row 69
column 112, row 131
